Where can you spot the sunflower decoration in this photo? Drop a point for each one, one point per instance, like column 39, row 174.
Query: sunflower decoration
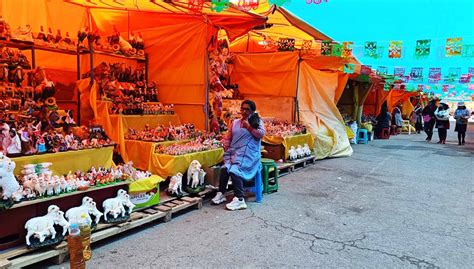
column 50, row 103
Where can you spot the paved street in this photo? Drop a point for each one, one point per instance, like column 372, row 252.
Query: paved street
column 398, row 203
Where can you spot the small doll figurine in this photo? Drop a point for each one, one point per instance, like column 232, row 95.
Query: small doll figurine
column 69, row 139
column 59, row 37
column 4, row 73
column 50, row 37
column 67, row 39
column 140, row 45
column 26, row 141
column 18, row 79
column 40, row 143
column 42, row 35
column 81, row 36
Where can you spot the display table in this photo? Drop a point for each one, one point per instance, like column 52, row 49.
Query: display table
column 63, row 162
column 168, row 165
column 116, row 126
column 288, row 141
column 140, row 151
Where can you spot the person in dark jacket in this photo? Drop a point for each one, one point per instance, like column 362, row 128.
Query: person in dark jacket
column 442, row 122
column 429, row 118
column 383, row 121
column 418, row 118
column 462, row 116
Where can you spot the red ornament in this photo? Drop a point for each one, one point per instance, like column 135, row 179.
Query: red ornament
column 248, row 4
column 195, row 6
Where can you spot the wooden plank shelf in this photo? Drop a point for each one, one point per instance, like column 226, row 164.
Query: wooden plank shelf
column 22, row 256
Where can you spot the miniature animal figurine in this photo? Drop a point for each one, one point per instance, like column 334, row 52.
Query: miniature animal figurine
column 292, row 153
column 87, row 208
column 192, row 169
column 306, row 150
column 115, row 206
column 299, row 151
column 43, row 227
column 61, row 221
column 8, row 182
column 176, row 184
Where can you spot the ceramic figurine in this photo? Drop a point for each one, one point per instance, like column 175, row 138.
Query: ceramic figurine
column 293, row 155
column 50, row 37
column 87, row 208
column 193, row 169
column 42, row 35
column 300, row 152
column 23, row 34
column 306, row 150
column 116, row 207
column 176, row 184
column 43, row 227
column 8, row 182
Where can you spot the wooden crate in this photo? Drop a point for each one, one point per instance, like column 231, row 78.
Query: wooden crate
column 274, row 152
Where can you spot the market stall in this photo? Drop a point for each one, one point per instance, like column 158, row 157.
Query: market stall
column 304, row 86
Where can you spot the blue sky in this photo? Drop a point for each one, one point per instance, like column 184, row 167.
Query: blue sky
column 405, row 20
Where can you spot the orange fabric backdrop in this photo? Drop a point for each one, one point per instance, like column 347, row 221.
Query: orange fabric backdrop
column 269, row 74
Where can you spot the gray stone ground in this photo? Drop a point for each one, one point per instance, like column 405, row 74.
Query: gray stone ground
column 398, row 203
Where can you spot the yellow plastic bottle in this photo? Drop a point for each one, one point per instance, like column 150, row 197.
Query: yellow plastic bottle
column 85, row 238
column 74, row 244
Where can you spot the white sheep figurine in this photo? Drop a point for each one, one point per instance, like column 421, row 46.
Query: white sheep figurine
column 292, row 153
column 306, row 150
column 43, row 227
column 299, row 151
column 87, row 208
column 176, row 184
column 115, row 206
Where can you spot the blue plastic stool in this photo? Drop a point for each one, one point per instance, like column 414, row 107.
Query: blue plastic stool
column 258, row 187
column 365, row 136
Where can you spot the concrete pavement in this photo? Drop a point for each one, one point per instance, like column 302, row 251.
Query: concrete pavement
column 398, row 203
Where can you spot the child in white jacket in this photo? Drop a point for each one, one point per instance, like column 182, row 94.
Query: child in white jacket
column 442, row 122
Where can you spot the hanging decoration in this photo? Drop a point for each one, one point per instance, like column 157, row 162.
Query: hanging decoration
column 286, row 44
column 195, row 6
column 326, row 48
column 347, row 49
column 470, row 87
column 453, row 74
column 219, row 5
column 398, row 71
column 395, row 49
column 434, row 75
column 470, row 71
column 468, row 51
column 365, row 70
column 386, row 87
column 416, row 74
column 349, row 68
column 336, row 50
column 248, row 4
column 307, row 44
column 423, row 48
column 277, row 3
column 445, row 88
column 453, row 47
column 370, row 49
column 382, row 71
column 465, row 78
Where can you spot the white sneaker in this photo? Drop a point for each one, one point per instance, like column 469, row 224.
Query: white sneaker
column 219, row 198
column 236, row 204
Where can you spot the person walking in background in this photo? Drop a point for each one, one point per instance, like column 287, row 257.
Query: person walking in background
column 429, row 118
column 442, row 122
column 418, row 118
column 462, row 115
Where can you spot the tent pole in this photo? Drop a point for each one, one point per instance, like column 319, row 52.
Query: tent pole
column 296, row 114
column 206, row 81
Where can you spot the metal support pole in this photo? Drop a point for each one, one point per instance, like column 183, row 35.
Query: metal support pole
column 296, row 114
column 78, row 59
